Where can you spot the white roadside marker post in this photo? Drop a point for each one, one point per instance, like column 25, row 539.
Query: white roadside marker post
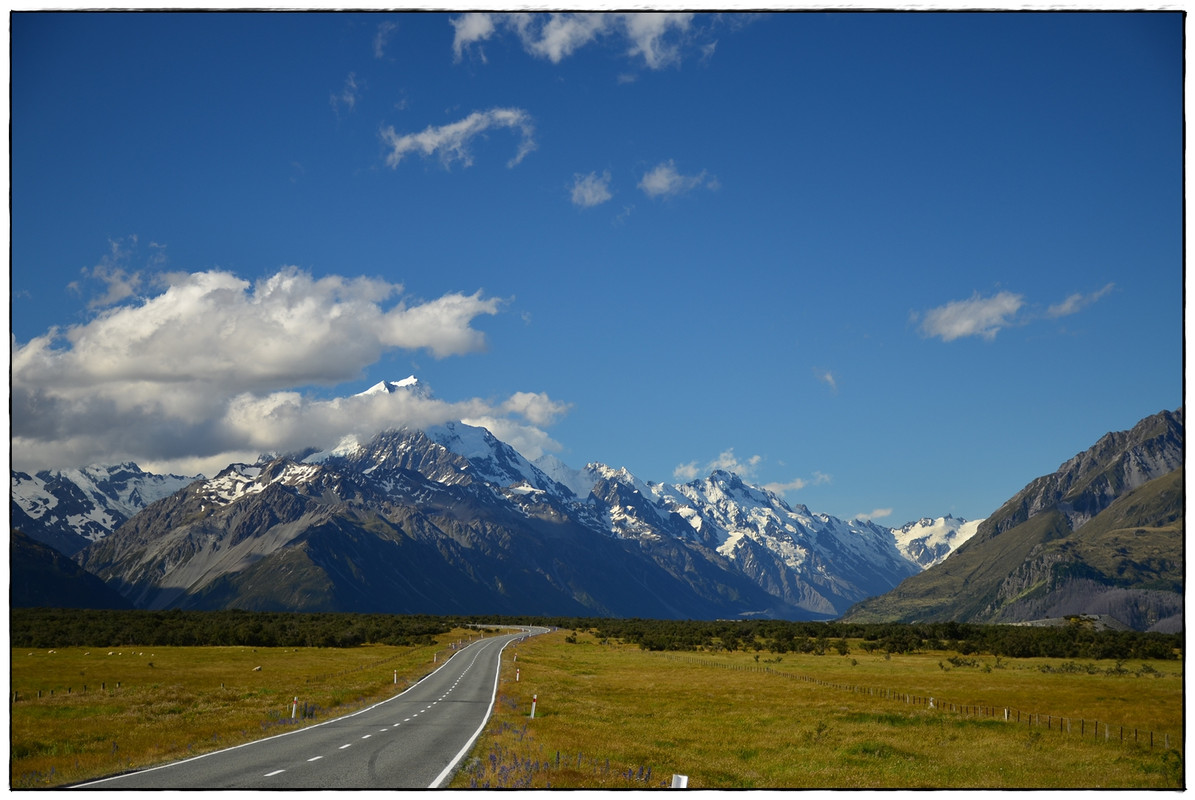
column 534, row 698
column 516, row 674
column 294, row 709
column 395, row 677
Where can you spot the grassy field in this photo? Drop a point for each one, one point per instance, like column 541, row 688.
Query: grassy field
column 614, row 716
column 112, row 711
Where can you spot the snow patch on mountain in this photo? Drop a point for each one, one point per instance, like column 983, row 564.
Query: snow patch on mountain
column 928, row 541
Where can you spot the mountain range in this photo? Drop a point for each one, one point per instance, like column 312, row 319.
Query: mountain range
column 449, row 519
column 452, row 520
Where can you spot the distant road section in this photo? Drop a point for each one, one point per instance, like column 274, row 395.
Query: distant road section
column 413, row 740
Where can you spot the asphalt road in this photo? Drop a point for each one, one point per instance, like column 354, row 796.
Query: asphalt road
column 412, row 740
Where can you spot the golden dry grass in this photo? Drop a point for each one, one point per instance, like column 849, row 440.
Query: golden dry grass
column 614, row 716
column 144, row 706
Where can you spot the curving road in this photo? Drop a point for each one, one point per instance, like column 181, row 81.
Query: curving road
column 412, row 740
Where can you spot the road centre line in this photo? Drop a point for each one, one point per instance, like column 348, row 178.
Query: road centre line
column 275, row 772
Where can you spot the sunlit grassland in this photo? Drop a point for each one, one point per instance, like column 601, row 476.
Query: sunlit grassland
column 611, row 715
column 144, row 706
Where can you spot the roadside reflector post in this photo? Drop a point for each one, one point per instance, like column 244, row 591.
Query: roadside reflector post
column 534, row 699
column 395, row 677
column 294, row 709
column 680, row 781
column 516, row 674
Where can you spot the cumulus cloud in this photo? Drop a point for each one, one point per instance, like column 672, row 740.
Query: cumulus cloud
column 210, row 370
column 1077, row 302
column 591, row 190
column 978, row 316
column 452, row 142
column 659, row 39
column 664, row 180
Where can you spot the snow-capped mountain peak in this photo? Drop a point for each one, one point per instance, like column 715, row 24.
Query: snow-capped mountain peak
column 409, row 384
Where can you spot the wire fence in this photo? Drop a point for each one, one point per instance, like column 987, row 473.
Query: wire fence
column 1089, row 729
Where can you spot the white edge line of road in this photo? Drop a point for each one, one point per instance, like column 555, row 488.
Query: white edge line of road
column 301, row 730
column 448, row 770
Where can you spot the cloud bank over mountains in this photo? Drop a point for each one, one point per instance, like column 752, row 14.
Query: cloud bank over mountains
column 211, row 370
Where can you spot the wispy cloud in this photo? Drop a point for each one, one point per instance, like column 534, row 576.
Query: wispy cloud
column 878, row 513
column 978, row 316
column 659, row 39
column 452, row 142
column 347, row 96
column 1077, row 302
column 382, row 38
column 212, row 370
column 792, row 486
column 827, row 377
column 591, row 190
column 114, row 270
column 796, row 484
column 664, row 180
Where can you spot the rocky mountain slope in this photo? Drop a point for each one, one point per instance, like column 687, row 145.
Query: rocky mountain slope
column 1100, row 535
column 67, row 509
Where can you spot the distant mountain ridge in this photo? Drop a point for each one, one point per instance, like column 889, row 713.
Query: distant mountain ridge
column 450, row 519
column 67, row 509
column 348, row 526
column 1103, row 534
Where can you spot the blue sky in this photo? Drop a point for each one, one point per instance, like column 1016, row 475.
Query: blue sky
column 888, row 264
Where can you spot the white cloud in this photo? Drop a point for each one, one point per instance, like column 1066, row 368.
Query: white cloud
column 797, row 484
column 827, row 377
column 664, row 180
column 470, row 29
column 209, row 371
column 1077, row 302
column 878, row 513
column 978, row 316
column 726, row 460
column 647, row 33
column 452, row 141
column 657, row 38
column 591, row 190
column 791, row 486
column 536, row 407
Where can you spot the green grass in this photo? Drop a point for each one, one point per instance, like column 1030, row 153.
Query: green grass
column 613, row 716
